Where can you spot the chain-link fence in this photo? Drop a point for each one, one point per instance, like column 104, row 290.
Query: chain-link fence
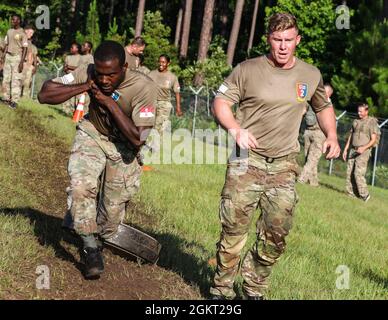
column 196, row 104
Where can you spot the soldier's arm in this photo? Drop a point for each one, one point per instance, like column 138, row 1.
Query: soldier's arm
column 136, row 135
column 327, row 122
column 345, row 153
column 223, row 113
column 178, row 104
column 4, row 53
column 56, row 93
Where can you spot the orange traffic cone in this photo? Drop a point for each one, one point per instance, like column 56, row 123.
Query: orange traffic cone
column 79, row 111
column 147, row 168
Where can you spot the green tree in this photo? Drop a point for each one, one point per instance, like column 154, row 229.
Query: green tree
column 157, row 35
column 92, row 27
column 364, row 66
column 114, row 35
column 214, row 68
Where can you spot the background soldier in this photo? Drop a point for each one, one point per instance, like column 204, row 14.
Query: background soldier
column 272, row 92
column 108, row 140
column 31, row 62
column 87, row 56
column 313, row 143
column 363, row 137
column 15, row 51
column 72, row 62
column 167, row 82
column 133, row 51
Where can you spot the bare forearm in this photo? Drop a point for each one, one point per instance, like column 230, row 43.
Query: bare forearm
column 24, row 54
column 348, row 143
column 55, row 93
column 327, row 122
column 371, row 142
column 178, row 101
column 224, row 114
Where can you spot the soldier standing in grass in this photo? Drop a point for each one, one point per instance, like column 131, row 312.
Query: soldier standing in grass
column 31, row 62
column 15, row 52
column 167, row 82
column 362, row 138
column 72, row 62
column 272, row 92
column 133, row 51
column 313, row 143
column 108, row 139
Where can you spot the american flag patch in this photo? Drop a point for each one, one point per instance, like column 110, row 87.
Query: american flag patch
column 147, row 112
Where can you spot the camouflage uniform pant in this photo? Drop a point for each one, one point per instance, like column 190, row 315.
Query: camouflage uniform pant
column 27, row 79
column 163, row 110
column 313, row 142
column 270, row 187
column 355, row 174
column 12, row 78
column 92, row 157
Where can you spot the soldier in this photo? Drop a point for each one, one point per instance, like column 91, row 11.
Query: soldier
column 167, row 82
column 30, row 63
column 87, row 56
column 133, row 51
column 272, row 92
column 107, row 140
column 363, row 137
column 72, row 62
column 313, row 142
column 13, row 58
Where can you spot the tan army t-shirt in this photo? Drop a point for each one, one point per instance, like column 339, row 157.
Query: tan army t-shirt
column 166, row 82
column 136, row 96
column 87, row 59
column 132, row 60
column 16, row 39
column 73, row 60
column 362, row 130
column 272, row 101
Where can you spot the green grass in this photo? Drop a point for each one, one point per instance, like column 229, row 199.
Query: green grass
column 178, row 204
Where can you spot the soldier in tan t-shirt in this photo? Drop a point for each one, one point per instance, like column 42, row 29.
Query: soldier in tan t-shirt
column 167, row 82
column 30, row 63
column 271, row 92
column 121, row 113
column 362, row 138
column 13, row 59
column 87, row 56
column 133, row 51
column 73, row 60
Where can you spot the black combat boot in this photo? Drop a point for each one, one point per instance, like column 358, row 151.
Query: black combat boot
column 94, row 264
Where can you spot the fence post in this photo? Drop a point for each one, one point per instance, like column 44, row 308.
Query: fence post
column 375, row 159
column 56, row 67
column 195, row 107
column 336, row 125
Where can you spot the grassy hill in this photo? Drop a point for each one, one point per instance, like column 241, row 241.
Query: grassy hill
column 178, row 205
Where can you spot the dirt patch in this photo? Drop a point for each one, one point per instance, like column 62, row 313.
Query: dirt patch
column 45, row 175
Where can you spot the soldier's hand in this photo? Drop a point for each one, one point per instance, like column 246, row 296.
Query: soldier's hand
column 360, row 150
column 332, row 147
column 179, row 113
column 244, row 138
column 101, row 98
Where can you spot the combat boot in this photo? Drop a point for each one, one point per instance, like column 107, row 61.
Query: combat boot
column 94, row 264
column 255, row 298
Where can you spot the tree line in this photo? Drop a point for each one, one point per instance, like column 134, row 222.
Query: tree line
column 205, row 38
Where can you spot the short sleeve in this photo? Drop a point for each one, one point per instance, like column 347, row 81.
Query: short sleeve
column 176, row 87
column 319, row 100
column 144, row 106
column 231, row 88
column 374, row 127
column 79, row 75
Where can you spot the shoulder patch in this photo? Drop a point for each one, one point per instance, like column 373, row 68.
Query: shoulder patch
column 115, row 96
column 223, row 88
